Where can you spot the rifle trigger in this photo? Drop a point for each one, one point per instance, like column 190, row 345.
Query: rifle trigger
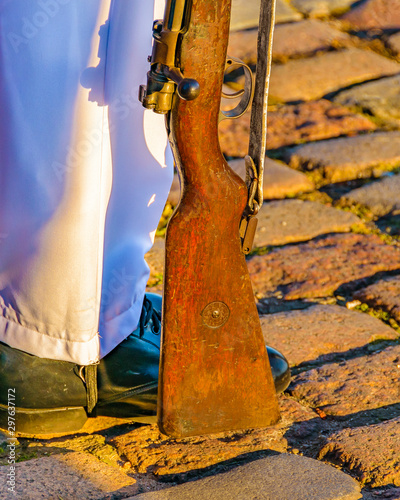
column 247, row 233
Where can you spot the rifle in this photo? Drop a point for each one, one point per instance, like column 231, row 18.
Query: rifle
column 214, row 369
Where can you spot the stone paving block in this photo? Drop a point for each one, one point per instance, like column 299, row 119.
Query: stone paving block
column 360, row 384
column 290, row 40
column 245, row 14
column 321, row 332
column 290, row 221
column 394, row 43
column 67, row 476
column 322, row 8
column 381, row 98
column 348, row 158
column 175, row 191
column 384, row 294
column 390, row 224
column 155, row 259
column 374, row 14
column 283, row 477
column 307, row 79
column 99, row 424
column 243, row 45
column 234, row 136
column 150, row 451
column 293, row 412
column 95, row 444
column 390, row 493
column 291, row 124
column 319, row 267
column 305, row 38
column 285, row 13
column 279, row 179
column 381, row 197
column 312, row 121
column 370, row 452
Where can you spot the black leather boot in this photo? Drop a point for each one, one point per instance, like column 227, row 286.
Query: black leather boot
column 52, row 396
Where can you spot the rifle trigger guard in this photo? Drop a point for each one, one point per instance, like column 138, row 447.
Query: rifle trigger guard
column 246, row 93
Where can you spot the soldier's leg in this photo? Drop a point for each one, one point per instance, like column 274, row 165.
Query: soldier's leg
column 73, row 229
column 63, row 89
column 141, row 176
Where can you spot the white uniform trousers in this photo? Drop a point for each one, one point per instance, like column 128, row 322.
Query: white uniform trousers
column 83, row 174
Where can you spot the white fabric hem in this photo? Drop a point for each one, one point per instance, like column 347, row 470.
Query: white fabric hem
column 43, row 346
column 113, row 332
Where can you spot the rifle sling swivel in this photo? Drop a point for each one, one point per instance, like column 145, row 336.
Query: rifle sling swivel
column 248, row 225
column 258, row 124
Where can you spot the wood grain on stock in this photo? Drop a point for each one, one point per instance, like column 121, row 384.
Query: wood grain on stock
column 212, row 378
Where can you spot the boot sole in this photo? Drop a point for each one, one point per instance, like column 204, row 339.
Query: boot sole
column 42, row 420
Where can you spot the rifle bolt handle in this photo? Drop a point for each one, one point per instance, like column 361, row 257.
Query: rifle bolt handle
column 188, row 89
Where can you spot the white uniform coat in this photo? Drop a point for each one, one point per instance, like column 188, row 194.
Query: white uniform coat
column 83, row 175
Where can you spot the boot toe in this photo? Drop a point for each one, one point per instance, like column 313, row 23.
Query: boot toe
column 280, row 369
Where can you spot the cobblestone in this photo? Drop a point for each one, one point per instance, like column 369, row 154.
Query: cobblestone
column 285, row 13
column 375, row 14
column 269, row 478
column 322, row 332
column 384, row 294
column 390, row 493
column 289, row 221
column 280, row 181
column 369, row 452
column 292, row 124
column 150, row 451
column 155, row 259
column 360, row 384
column 290, row 40
column 175, row 191
column 394, row 43
column 307, row 79
column 245, row 14
column 381, row 197
column 70, row 475
column 380, row 98
column 348, row 158
column 318, row 268
column 322, row 8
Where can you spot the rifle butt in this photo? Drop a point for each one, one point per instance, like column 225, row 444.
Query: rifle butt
column 214, row 369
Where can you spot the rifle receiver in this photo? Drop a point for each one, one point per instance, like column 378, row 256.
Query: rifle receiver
column 165, row 74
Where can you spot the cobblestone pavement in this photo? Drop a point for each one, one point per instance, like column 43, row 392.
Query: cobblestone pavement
column 325, row 270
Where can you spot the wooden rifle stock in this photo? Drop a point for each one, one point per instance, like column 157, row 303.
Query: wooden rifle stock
column 214, row 369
